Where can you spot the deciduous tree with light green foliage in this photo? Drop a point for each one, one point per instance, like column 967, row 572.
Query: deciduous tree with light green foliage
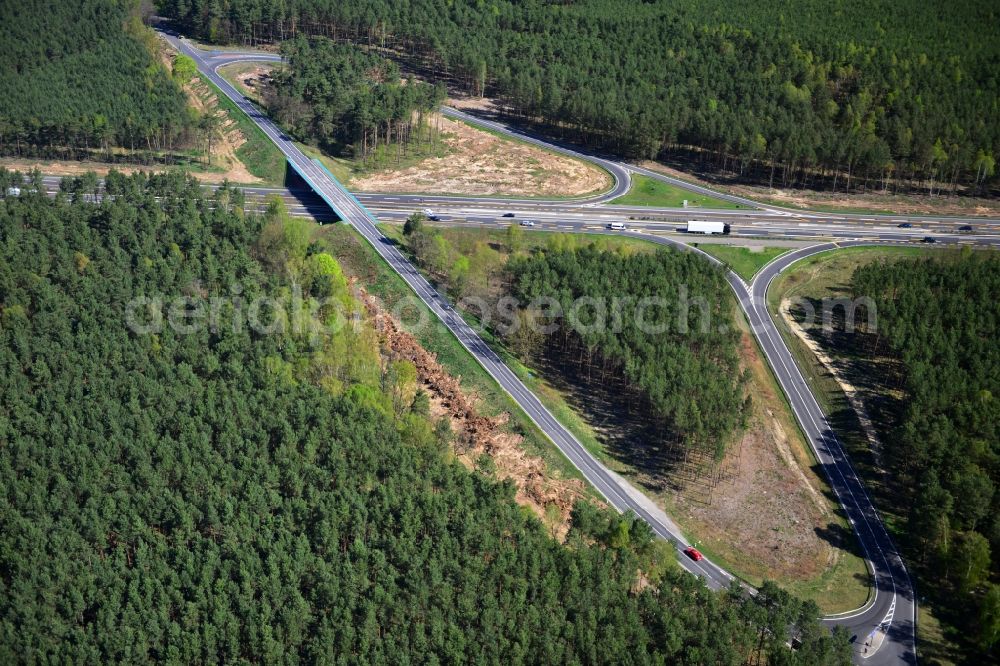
column 989, row 617
column 969, row 560
column 184, row 68
column 205, row 497
column 515, row 238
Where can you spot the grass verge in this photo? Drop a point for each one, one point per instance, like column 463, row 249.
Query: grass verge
column 646, row 191
column 361, row 261
column 744, row 261
column 821, row 208
column 828, row 275
column 842, row 586
column 258, row 153
column 933, row 646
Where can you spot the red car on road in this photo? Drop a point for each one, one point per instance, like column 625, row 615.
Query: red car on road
column 693, row 553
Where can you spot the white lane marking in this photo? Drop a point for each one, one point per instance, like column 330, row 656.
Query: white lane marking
column 366, row 225
column 835, row 458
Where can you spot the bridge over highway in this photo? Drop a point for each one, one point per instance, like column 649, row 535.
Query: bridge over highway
column 888, row 618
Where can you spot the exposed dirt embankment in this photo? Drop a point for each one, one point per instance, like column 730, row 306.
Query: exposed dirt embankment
column 476, row 434
column 765, row 511
column 482, row 164
column 228, row 137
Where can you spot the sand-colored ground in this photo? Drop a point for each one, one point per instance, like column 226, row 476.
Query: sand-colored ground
column 253, row 78
column 480, row 163
column 75, row 168
column 902, row 204
column 875, row 201
column 476, row 435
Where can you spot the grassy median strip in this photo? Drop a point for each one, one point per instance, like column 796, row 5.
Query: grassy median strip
column 258, row 153
column 744, row 261
column 646, row 191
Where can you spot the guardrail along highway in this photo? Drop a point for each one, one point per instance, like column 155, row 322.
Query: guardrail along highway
column 887, row 620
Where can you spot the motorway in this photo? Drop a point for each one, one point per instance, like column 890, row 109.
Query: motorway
column 616, row 491
column 888, row 618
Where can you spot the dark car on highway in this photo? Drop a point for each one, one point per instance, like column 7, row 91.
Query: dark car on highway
column 508, row 214
column 906, row 225
column 929, row 239
column 967, row 227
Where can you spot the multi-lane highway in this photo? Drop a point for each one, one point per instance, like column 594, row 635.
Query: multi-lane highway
column 553, row 215
column 616, row 490
column 885, row 625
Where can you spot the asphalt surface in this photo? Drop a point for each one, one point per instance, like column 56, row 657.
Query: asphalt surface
column 893, row 604
column 888, row 618
column 616, row 491
column 619, row 173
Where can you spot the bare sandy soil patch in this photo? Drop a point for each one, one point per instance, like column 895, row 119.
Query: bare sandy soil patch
column 472, row 104
column 767, row 513
column 75, row 168
column 902, row 204
column 64, row 168
column 480, row 163
column 476, row 435
column 251, row 78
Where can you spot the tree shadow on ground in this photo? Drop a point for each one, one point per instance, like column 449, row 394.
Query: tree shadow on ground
column 840, row 538
column 621, row 420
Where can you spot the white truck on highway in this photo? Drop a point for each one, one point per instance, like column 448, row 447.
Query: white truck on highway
column 707, row 228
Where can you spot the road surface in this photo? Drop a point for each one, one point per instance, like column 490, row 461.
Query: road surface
column 888, row 617
column 616, row 490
